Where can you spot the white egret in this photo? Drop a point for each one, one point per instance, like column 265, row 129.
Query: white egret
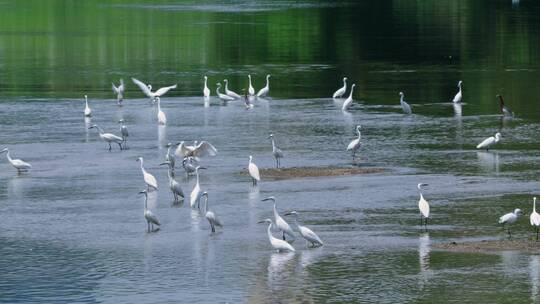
column 251, row 90
column 305, row 232
column 210, row 215
column 264, row 91
column 457, row 98
column 18, row 164
column 197, row 150
column 162, row 119
column 229, row 92
column 221, row 96
column 196, row 192
column 253, row 171
column 124, row 132
column 169, row 157
column 149, row 179
column 87, row 110
column 276, row 243
column 423, row 206
column 147, row 89
column 278, row 154
column 490, row 141
column 341, row 91
column 108, row 137
column 174, row 186
column 355, row 144
column 404, row 105
column 206, row 90
column 151, row 218
column 348, row 102
column 509, row 219
column 119, row 91
column 535, row 218
column 281, row 224
column 505, row 111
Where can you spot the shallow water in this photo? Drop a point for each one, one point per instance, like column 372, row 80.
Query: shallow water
column 72, row 229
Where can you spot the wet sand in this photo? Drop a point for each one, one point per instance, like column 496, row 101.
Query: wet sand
column 527, row 245
column 300, row 172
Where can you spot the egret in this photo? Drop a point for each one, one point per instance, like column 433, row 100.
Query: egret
column 124, row 132
column 169, row 157
column 253, row 171
column 206, row 90
column 354, row 145
column 535, row 218
column 197, row 150
column 229, row 92
column 423, row 205
column 119, row 91
column 348, row 102
column 505, row 111
column 189, row 164
column 278, row 154
column 509, row 219
column 18, row 164
column 147, row 89
column 151, row 218
column 221, row 96
column 251, row 90
column 108, row 137
column 281, row 224
column 305, row 232
column 196, row 192
column 149, row 179
column 210, row 215
column 87, row 110
column 247, row 102
column 174, row 186
column 457, row 98
column 341, row 91
column 404, row 105
column 490, row 141
column 264, row 91
column 276, row 243
column 162, row 119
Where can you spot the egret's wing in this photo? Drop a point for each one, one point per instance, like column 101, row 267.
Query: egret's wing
column 486, row 142
column 112, row 137
column 310, row 235
column 504, row 218
column 182, row 151
column 254, row 171
column 21, row 163
column 152, row 218
column 114, row 89
column 121, row 87
column 205, row 148
column 423, row 205
column 164, row 90
column 143, row 87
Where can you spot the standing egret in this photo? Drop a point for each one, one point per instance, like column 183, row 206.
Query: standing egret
column 281, row 224
column 457, row 98
column 197, row 150
column 151, row 218
column 535, row 218
column 162, row 119
column 147, row 89
column 251, row 90
column 119, row 91
column 354, row 145
column 341, row 91
column 210, row 215
column 174, row 186
column 221, row 96
column 490, row 141
column 404, row 105
column 18, row 164
column 169, row 157
column 206, row 90
column 423, row 205
column 87, row 110
column 149, row 179
column 247, row 102
column 509, row 219
column 108, row 137
column 189, row 164
column 305, row 232
column 278, row 154
column 196, row 192
column 253, row 171
column 276, row 243
column 264, row 91
column 124, row 132
column 505, row 111
column 348, row 102
column 229, row 92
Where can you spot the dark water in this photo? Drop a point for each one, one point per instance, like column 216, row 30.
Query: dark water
column 72, row 230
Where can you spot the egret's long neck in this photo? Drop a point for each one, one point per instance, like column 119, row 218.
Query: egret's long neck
column 100, row 130
column 226, row 86
column 250, row 81
column 268, row 82
column 345, row 83
column 352, row 89
column 169, row 150
column 159, row 105
column 276, row 214
column 359, row 134
column 217, row 90
column 273, row 145
column 205, row 81
column 169, row 173
column 197, row 174
column 401, row 98
column 146, row 202
column 205, row 205
column 142, row 168
column 269, row 232
column 8, row 156
column 534, row 205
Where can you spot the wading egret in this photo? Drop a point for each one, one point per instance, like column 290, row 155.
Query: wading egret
column 108, row 137
column 251, row 90
column 253, row 171
column 196, row 192
column 206, row 90
column 276, row 243
column 229, row 92
column 305, row 232
column 342, row 90
column 151, row 218
column 221, row 96
column 174, row 186
column 201, row 149
column 423, row 206
column 87, row 110
column 189, row 164
column 147, row 89
column 535, row 218
column 276, row 152
column 169, row 157
column 210, row 215
column 162, row 119
column 119, row 91
column 124, row 132
column 505, row 111
column 404, row 105
column 348, row 102
column 247, row 102
column 510, row 218
column 18, row 164
column 149, row 179
column 354, row 145
column 490, row 141
column 281, row 224
column 457, row 98
column 264, row 91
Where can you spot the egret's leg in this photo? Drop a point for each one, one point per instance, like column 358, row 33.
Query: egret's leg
column 120, row 144
column 421, row 221
column 213, row 228
column 537, row 233
column 110, row 148
column 284, row 236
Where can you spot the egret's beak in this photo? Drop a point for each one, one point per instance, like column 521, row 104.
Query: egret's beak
column 142, row 192
column 267, row 199
column 261, row 222
column 5, row 150
column 288, row 213
column 165, row 163
column 202, row 168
